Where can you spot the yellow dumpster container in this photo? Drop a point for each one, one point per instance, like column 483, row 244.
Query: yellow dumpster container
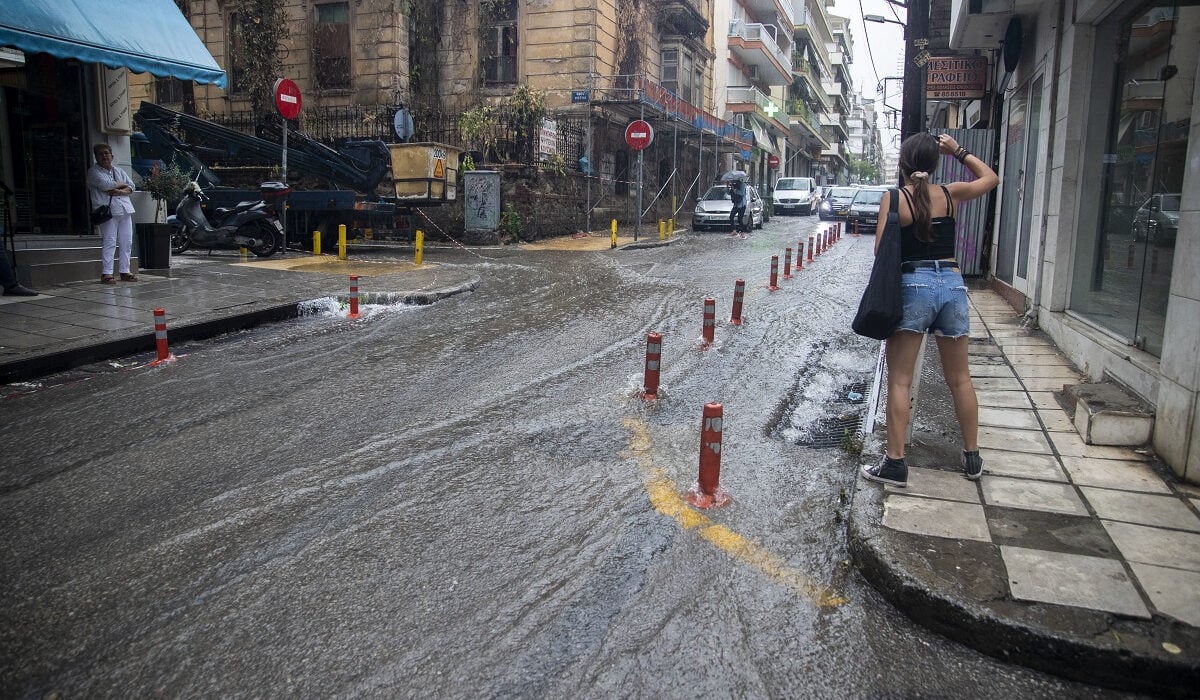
column 425, row 171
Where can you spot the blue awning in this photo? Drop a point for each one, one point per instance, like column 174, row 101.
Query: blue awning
column 145, row 36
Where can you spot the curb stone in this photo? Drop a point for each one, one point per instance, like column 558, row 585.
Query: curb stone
column 1082, row 646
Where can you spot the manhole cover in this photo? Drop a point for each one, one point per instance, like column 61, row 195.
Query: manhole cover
column 846, row 418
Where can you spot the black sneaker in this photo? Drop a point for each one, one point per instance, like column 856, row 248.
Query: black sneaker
column 972, row 465
column 889, row 471
column 19, row 291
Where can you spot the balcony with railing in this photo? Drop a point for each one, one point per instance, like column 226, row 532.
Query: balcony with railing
column 764, row 9
column 805, row 121
column 810, row 80
column 756, row 47
column 685, row 17
column 814, row 25
column 750, row 99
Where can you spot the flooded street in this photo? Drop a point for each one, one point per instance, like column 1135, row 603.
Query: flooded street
column 469, row 499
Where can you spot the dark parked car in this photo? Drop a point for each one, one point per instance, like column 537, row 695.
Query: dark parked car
column 837, row 204
column 864, row 209
column 1158, row 219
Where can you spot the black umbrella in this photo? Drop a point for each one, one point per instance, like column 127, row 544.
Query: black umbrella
column 733, row 175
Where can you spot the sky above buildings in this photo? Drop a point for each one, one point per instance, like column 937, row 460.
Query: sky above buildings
column 878, row 54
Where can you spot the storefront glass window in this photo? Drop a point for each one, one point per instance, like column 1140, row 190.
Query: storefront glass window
column 1123, row 273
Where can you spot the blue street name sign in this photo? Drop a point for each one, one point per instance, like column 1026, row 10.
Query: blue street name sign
column 579, row 96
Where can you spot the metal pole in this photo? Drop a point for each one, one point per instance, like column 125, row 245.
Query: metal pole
column 675, row 171
column 916, row 38
column 283, row 179
column 637, row 226
column 588, row 152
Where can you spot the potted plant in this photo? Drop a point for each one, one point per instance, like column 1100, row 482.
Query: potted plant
column 165, row 185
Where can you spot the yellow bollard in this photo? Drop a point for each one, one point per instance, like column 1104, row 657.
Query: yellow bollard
column 341, row 241
column 671, row 228
column 369, row 233
column 316, row 242
column 662, row 230
column 245, row 253
column 614, row 233
column 420, row 247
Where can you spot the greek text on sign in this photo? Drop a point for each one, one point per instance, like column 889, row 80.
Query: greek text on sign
column 956, row 77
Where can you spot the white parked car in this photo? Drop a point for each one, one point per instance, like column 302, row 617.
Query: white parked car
column 796, row 195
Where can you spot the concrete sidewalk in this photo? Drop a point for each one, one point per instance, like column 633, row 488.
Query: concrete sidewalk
column 82, row 322
column 1079, row 560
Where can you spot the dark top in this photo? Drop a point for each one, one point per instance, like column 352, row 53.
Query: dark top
column 737, row 191
column 942, row 228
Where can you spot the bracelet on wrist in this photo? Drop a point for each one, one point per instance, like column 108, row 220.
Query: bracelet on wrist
column 961, row 155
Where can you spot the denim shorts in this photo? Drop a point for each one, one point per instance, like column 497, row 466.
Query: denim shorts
column 935, row 301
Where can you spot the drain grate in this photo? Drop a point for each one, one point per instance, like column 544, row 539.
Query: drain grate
column 847, row 417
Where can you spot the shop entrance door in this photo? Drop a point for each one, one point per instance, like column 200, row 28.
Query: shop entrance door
column 1023, row 168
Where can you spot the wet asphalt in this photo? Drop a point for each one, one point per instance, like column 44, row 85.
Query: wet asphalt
column 469, row 499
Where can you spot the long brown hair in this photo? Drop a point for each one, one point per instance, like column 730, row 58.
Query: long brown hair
column 919, row 155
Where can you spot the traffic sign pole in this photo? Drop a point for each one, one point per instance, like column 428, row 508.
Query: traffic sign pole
column 639, row 134
column 287, row 102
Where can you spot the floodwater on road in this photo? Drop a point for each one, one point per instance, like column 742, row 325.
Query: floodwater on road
column 470, row 499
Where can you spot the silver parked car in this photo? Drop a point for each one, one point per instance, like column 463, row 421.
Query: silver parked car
column 712, row 210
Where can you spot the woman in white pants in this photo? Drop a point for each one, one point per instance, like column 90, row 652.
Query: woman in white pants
column 110, row 185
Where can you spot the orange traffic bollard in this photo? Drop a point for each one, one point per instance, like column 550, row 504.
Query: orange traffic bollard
column 739, row 291
column 160, row 337
column 787, row 263
column 707, row 493
column 653, row 362
column 710, row 320
column 774, row 273
column 353, row 296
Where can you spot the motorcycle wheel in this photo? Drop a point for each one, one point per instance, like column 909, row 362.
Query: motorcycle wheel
column 269, row 236
column 180, row 240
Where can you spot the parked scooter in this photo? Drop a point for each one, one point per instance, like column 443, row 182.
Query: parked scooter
column 253, row 224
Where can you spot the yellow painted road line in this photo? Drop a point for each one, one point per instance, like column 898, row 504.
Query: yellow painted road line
column 665, row 498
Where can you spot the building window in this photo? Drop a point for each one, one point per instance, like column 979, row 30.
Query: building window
column 683, row 75
column 172, row 91
column 498, row 49
column 331, row 46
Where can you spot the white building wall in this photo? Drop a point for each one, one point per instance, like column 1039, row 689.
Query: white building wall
column 1074, row 134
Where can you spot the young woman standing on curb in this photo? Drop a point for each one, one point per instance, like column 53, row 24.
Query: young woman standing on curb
column 935, row 296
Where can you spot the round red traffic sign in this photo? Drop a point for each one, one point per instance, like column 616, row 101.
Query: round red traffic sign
column 287, row 98
column 639, row 134
column 772, row 162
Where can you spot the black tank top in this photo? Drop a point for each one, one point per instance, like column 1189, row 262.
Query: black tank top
column 942, row 228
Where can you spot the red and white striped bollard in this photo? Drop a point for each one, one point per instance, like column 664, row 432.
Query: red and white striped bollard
column 739, row 291
column 653, row 362
column 707, row 493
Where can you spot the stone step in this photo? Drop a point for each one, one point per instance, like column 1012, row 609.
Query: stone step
column 44, row 274
column 1105, row 414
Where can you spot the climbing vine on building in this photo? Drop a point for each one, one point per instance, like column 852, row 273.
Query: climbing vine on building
column 259, row 29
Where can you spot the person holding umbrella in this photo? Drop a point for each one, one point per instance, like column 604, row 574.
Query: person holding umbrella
column 737, row 194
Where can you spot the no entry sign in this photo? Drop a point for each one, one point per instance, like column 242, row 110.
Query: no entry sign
column 287, row 98
column 772, row 162
column 639, row 134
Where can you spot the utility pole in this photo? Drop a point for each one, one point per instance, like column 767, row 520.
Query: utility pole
column 916, row 39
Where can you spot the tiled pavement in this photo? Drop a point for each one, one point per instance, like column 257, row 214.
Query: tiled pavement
column 1096, row 549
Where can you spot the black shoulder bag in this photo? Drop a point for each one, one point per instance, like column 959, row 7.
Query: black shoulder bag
column 882, row 306
column 102, row 213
